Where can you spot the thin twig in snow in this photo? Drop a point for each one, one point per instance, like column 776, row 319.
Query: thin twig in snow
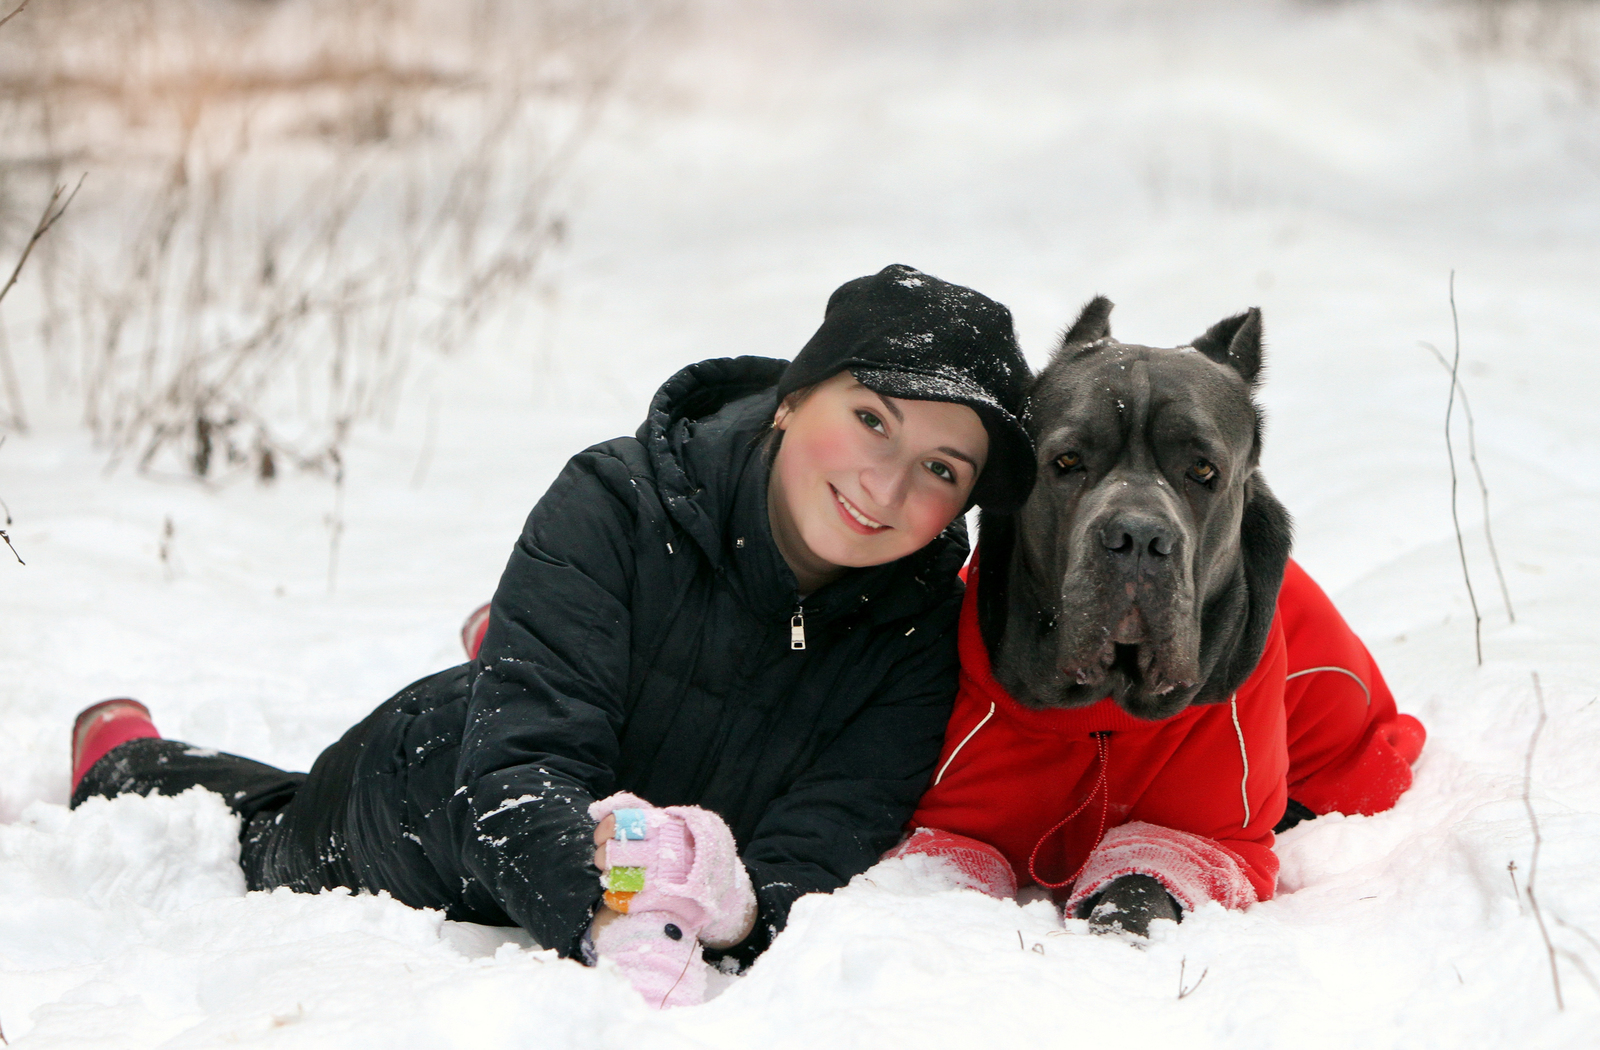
column 3, row 505
column 168, row 533
column 1483, row 487
column 1577, row 960
column 7, row 538
column 1583, row 968
column 3, row 21
column 8, row 373
column 1538, row 840
column 1455, row 516
column 428, row 437
column 336, row 519
column 1184, row 993
column 1579, row 930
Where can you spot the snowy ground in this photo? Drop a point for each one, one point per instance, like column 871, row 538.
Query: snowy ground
column 1330, row 162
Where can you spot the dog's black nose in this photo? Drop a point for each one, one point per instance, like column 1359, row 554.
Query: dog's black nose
column 1137, row 534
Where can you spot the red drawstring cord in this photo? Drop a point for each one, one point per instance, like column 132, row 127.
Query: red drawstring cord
column 1102, row 743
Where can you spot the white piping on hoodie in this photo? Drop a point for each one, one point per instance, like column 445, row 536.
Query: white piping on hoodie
column 1341, row 670
column 1244, row 794
column 963, row 743
column 1233, row 704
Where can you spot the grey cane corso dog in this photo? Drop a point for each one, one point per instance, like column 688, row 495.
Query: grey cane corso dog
column 1145, row 565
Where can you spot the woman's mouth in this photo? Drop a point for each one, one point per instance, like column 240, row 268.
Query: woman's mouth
column 853, row 517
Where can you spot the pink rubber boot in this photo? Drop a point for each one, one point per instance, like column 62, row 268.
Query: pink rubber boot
column 103, row 726
column 474, row 629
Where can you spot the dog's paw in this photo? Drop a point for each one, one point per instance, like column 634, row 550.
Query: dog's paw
column 1130, row 904
column 1294, row 813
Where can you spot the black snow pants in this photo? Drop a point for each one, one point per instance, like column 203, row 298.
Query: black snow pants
column 292, row 825
column 265, row 797
column 373, row 814
column 289, row 834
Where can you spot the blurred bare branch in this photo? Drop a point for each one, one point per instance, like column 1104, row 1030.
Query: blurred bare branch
column 47, row 219
column 15, row 13
column 54, row 208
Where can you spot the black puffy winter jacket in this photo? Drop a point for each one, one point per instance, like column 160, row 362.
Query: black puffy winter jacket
column 640, row 639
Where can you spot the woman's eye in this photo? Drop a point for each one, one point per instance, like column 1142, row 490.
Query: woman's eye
column 1203, row 471
column 941, row 471
column 1069, row 461
column 870, row 421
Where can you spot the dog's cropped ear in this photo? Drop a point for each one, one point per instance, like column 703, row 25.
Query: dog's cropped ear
column 1094, row 322
column 997, row 537
column 1266, row 534
column 1236, row 343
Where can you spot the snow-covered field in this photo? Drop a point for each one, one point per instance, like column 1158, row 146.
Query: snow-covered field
column 1330, row 162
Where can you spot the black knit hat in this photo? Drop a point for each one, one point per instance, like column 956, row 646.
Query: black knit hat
column 908, row 335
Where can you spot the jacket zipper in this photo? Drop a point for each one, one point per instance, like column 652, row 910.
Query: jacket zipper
column 797, row 628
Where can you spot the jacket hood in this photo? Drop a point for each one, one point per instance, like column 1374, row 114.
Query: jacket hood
column 705, row 436
column 705, row 423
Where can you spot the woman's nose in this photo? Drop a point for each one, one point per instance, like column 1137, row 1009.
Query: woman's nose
column 886, row 485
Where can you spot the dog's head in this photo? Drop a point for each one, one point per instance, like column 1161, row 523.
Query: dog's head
column 1145, row 566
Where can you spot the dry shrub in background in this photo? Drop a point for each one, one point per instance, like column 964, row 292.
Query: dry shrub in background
column 288, row 201
column 1563, row 34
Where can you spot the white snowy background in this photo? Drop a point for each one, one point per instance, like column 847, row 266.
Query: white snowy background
column 1331, row 162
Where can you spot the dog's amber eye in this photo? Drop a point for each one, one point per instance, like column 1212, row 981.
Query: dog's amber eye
column 1203, row 472
column 1069, row 461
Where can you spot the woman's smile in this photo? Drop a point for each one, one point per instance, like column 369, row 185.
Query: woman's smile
column 854, row 518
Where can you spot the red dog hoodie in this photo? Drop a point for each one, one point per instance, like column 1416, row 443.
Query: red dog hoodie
column 1075, row 798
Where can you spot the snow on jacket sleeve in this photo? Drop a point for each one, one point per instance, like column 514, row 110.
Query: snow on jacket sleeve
column 540, row 742
column 851, row 803
column 1350, row 751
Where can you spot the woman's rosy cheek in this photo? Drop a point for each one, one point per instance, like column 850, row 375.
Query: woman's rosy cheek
column 835, row 448
column 932, row 511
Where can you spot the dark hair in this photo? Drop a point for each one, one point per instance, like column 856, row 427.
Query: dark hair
column 769, row 436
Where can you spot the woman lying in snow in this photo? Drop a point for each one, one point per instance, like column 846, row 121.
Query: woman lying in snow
column 745, row 614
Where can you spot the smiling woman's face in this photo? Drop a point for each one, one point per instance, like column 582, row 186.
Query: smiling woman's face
column 863, row 479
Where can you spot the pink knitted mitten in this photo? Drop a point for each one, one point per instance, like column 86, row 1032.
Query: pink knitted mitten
column 677, row 880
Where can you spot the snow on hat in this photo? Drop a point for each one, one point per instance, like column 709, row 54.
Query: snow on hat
column 906, row 334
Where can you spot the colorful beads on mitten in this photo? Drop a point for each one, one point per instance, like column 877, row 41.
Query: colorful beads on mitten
column 632, row 824
column 656, row 942
column 624, row 880
column 622, row 885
